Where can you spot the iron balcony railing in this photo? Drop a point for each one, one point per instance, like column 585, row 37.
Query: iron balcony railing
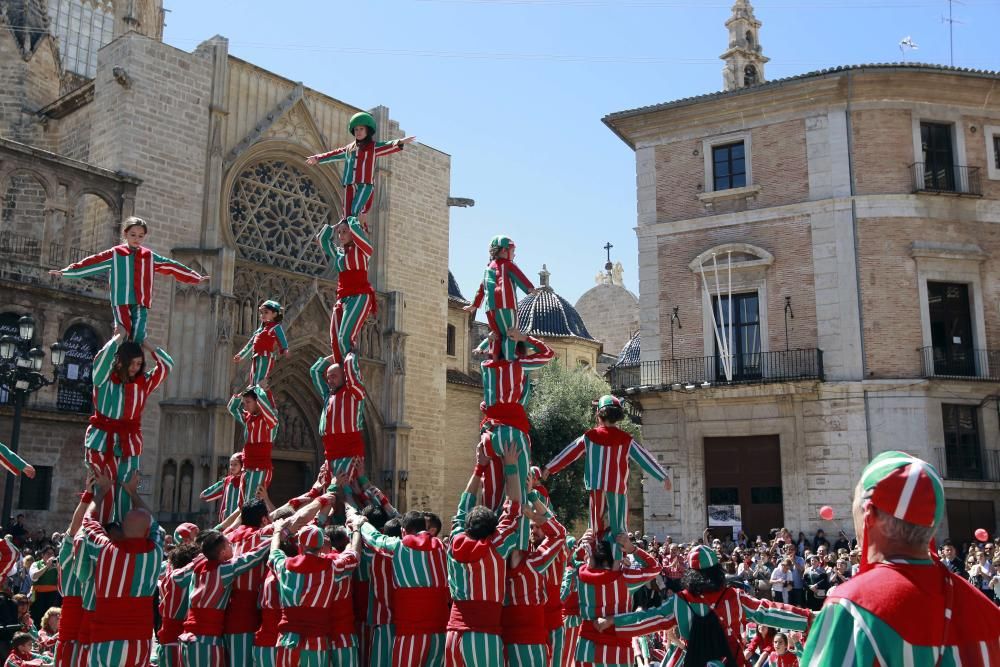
column 26, row 248
column 970, row 464
column 939, row 362
column 689, row 373
column 946, row 178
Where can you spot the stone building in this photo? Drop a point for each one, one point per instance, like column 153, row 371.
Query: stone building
column 99, row 120
column 828, row 243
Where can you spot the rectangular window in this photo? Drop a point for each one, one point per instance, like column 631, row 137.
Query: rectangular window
column 996, row 151
column 765, row 495
column 729, row 166
column 938, row 157
column 743, row 336
column 451, row 340
column 35, row 492
column 963, row 455
column 951, row 329
column 723, row 495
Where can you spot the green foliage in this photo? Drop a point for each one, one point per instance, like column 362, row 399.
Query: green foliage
column 561, row 409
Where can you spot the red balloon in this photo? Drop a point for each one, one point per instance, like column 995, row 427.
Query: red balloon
column 826, row 513
column 982, row 535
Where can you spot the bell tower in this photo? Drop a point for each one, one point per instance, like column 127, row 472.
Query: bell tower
column 745, row 57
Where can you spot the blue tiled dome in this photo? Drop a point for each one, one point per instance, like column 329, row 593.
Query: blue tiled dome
column 629, row 356
column 453, row 291
column 545, row 313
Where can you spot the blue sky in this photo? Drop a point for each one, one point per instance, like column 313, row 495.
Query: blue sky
column 514, row 90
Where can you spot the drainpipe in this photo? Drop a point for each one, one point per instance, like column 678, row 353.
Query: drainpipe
column 857, row 256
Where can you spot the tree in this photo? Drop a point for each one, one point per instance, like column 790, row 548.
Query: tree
column 561, row 409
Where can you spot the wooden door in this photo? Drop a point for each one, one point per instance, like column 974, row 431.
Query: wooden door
column 746, row 471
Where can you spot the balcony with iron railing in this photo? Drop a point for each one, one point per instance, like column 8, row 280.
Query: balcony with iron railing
column 976, row 365
column 968, row 464
column 29, row 249
column 689, row 373
column 946, row 178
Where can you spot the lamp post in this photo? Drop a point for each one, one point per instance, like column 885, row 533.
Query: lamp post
column 21, row 375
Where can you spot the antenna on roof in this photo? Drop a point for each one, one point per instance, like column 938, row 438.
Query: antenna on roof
column 951, row 28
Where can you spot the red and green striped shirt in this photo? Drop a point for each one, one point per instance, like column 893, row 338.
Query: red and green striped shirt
column 132, row 269
column 477, row 569
column 608, row 451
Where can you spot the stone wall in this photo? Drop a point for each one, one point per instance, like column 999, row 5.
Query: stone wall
column 611, row 314
column 458, row 456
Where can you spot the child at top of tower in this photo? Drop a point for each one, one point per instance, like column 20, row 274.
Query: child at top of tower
column 608, row 450
column 131, row 267
column 261, row 345
column 501, row 280
column 359, row 158
column 355, row 296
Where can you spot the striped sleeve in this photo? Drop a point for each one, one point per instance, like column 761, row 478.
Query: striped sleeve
column 213, row 492
column 542, row 558
column 643, row 622
column 646, row 461
column 352, row 376
column 104, row 361
column 360, row 238
column 9, row 555
column 774, row 614
column 515, row 275
column 247, row 350
column 841, row 635
column 279, row 333
column 174, row 269
column 94, row 535
column 326, row 242
column 317, row 372
column 477, row 300
column 89, row 266
column 377, row 497
column 235, row 407
column 542, row 355
column 383, row 148
column 568, row 584
column 155, row 377
column 566, row 456
column 335, row 155
column 465, row 503
column 11, row 461
column 506, row 537
column 376, row 539
column 251, row 559
column 344, row 564
column 636, row 577
column 266, row 409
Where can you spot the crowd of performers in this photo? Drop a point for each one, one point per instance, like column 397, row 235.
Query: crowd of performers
column 338, row 577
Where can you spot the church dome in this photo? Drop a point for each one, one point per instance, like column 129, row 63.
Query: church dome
column 609, row 309
column 454, row 293
column 629, row 356
column 545, row 313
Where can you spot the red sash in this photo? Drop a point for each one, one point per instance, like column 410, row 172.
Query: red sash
column 205, row 622
column 508, row 414
column 72, row 617
column 417, row 611
column 606, row 638
column 476, row 616
column 123, row 619
column 267, row 635
column 571, row 605
column 305, row 621
column 86, row 623
column 343, row 445
column 265, row 341
column 123, row 428
column 352, row 282
column 170, row 630
column 242, row 614
column 359, row 598
column 257, row 456
column 553, row 608
column 524, row 624
column 340, row 618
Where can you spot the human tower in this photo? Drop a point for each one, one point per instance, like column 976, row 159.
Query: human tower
column 337, row 576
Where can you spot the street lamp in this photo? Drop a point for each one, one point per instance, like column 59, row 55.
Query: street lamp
column 21, row 376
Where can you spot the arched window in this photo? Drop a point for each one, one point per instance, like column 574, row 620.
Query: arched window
column 82, row 344
column 749, row 38
column 749, row 75
column 186, row 486
column 168, row 487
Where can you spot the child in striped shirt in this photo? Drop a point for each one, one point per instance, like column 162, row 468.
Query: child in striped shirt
column 263, row 341
column 359, row 158
column 501, row 280
column 131, row 268
column 355, row 296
